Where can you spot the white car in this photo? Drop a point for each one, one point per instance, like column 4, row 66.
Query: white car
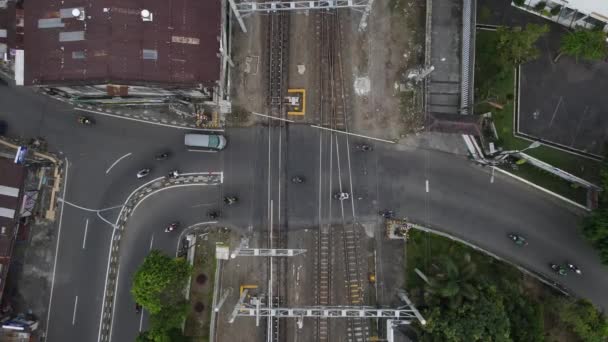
column 204, row 142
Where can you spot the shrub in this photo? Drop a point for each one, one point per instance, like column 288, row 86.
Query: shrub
column 519, row 2
column 540, row 6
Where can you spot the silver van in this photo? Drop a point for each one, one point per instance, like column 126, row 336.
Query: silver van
column 204, row 142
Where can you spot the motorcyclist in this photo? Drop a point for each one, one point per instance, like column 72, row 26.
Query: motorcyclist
column 559, row 269
column 342, row 196
column 518, row 239
column 137, row 308
column 162, row 156
column 172, row 227
column 213, row 214
column 364, row 147
column 84, row 120
column 297, row 179
column 387, row 213
column 574, row 268
column 230, row 200
column 174, row 174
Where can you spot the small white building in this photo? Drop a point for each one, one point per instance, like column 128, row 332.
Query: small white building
column 571, row 13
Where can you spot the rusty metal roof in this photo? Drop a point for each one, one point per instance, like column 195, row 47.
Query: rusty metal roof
column 108, row 41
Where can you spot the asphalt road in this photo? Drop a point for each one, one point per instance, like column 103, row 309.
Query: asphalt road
column 460, row 199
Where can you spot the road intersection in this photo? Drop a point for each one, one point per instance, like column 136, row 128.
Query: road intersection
column 433, row 188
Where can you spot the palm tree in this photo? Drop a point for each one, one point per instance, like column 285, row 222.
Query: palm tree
column 453, row 281
column 586, row 44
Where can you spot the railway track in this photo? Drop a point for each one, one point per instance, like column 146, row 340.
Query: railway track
column 278, row 52
column 333, row 111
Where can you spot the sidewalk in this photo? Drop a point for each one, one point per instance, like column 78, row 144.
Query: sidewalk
column 206, row 115
column 30, row 274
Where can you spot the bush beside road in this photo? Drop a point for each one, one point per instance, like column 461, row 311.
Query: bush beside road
column 473, row 297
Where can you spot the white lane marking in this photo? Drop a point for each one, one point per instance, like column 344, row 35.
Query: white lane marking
column 271, row 117
column 141, row 319
column 110, row 249
column 426, row 184
column 74, row 314
column 117, row 161
column 340, row 176
column 350, row 179
column 320, row 176
column 149, row 122
column 86, row 228
column 151, row 241
column 353, row 134
column 65, row 185
column 492, row 176
column 279, row 178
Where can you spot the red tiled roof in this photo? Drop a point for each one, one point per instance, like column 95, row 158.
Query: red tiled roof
column 183, row 33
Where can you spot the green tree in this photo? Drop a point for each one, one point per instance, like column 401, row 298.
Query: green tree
column 160, row 281
column 453, row 281
column 516, row 45
column 583, row 318
column 585, row 44
column 482, row 320
column 595, row 229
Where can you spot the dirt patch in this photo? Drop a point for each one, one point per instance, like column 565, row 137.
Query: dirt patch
column 248, row 77
column 379, row 60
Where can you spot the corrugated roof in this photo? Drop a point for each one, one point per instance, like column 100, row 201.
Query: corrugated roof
column 184, row 34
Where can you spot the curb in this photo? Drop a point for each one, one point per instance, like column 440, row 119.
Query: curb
column 144, row 119
column 134, row 199
column 558, row 196
column 539, row 276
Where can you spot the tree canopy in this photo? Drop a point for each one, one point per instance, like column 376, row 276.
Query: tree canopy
column 484, row 319
column 160, row 281
column 516, row 45
column 586, row 44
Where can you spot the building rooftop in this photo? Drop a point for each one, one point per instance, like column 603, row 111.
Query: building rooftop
column 77, row 42
column 595, row 7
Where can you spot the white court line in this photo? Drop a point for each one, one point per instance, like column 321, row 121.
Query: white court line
column 65, row 183
column 151, row 241
column 86, row 228
column 116, row 162
column 74, row 314
column 426, row 184
column 150, row 122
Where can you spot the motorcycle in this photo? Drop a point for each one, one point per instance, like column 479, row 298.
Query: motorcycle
column 84, row 120
column 173, row 226
column 341, row 196
column 518, row 239
column 161, row 156
column 137, row 308
column 363, row 147
column 387, row 214
column 174, row 174
column 297, row 179
column 559, row 269
column 213, row 214
column 574, row 268
column 143, row 173
column 229, row 200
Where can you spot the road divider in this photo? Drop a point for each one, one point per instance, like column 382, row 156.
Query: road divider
column 131, row 203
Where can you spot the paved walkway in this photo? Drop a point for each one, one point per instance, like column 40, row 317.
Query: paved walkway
column 444, row 85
